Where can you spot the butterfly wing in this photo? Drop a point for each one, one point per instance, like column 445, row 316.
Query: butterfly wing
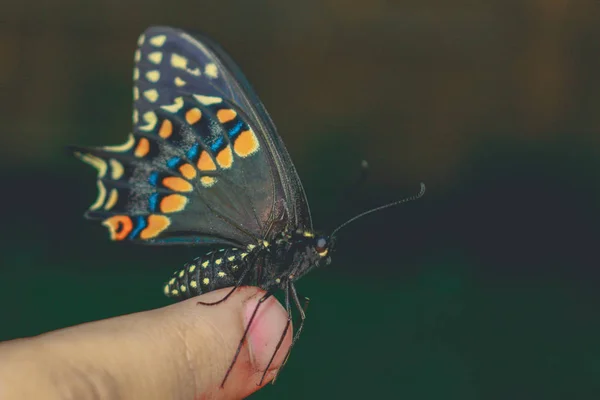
column 204, row 163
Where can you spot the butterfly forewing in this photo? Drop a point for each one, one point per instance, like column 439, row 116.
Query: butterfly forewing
column 204, row 163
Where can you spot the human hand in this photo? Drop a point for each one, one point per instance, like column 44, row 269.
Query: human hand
column 179, row 351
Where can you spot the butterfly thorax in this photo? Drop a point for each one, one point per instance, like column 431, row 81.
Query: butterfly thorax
column 290, row 256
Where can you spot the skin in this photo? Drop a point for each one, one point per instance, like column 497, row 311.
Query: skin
column 177, row 352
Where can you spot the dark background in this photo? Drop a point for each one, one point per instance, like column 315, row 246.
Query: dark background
column 484, row 289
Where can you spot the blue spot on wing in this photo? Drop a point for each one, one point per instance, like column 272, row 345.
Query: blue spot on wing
column 172, row 163
column 141, row 224
column 152, row 201
column 153, row 178
column 236, row 129
column 217, row 144
column 193, row 152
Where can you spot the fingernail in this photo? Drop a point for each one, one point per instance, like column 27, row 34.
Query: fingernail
column 265, row 332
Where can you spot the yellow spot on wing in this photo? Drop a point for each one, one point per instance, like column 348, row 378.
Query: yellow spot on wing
column 188, row 171
column 179, row 82
column 207, row 181
column 118, row 226
column 136, row 93
column 137, row 56
column 231, row 258
column 151, row 95
column 245, row 144
column 151, row 119
column 101, row 196
column 156, row 224
column 177, row 184
column 116, row 169
column 221, row 274
column 166, row 129
column 112, row 199
column 176, row 106
column 182, row 288
column 195, row 71
column 173, row 203
column 155, row 57
column 193, row 115
column 95, row 162
column 143, row 148
column 193, row 284
column 225, row 157
column 178, row 61
column 226, row 115
column 141, row 40
column 211, row 70
column 172, row 281
column 218, row 261
column 166, row 290
column 158, row 40
column 122, row 147
column 192, row 268
column 174, row 292
column 136, row 74
column 205, row 264
column 153, row 76
column 207, row 100
column 181, row 273
column 135, row 116
column 206, row 281
column 205, row 163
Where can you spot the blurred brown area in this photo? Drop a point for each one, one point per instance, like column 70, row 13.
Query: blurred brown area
column 416, row 84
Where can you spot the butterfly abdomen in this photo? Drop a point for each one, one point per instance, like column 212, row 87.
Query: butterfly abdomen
column 214, row 270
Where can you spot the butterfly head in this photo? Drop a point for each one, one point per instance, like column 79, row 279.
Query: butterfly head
column 323, row 245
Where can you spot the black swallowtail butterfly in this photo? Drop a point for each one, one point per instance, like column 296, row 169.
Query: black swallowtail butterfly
column 205, row 166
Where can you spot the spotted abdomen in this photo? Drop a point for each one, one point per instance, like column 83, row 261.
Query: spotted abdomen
column 215, row 270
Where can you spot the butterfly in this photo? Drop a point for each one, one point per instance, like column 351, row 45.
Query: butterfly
column 204, row 165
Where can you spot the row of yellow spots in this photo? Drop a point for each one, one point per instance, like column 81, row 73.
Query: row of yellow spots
column 116, row 171
column 119, row 226
column 156, row 41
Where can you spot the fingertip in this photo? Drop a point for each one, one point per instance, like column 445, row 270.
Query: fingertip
column 217, row 331
column 269, row 335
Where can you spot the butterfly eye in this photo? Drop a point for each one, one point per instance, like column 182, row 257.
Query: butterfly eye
column 321, row 245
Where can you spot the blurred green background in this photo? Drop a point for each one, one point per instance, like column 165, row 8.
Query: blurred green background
column 484, row 289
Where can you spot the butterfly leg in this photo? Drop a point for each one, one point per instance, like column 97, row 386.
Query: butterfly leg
column 241, row 344
column 282, row 337
column 302, row 310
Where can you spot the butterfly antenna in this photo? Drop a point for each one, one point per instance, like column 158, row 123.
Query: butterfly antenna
column 395, row 203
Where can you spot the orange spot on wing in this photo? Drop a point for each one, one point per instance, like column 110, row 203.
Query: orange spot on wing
column 225, row 157
column 143, row 148
column 156, row 224
column 118, row 226
column 166, row 129
column 177, row 184
column 173, row 203
column 226, row 115
column 207, row 181
column 245, row 144
column 193, row 116
column 205, row 163
column 188, row 171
